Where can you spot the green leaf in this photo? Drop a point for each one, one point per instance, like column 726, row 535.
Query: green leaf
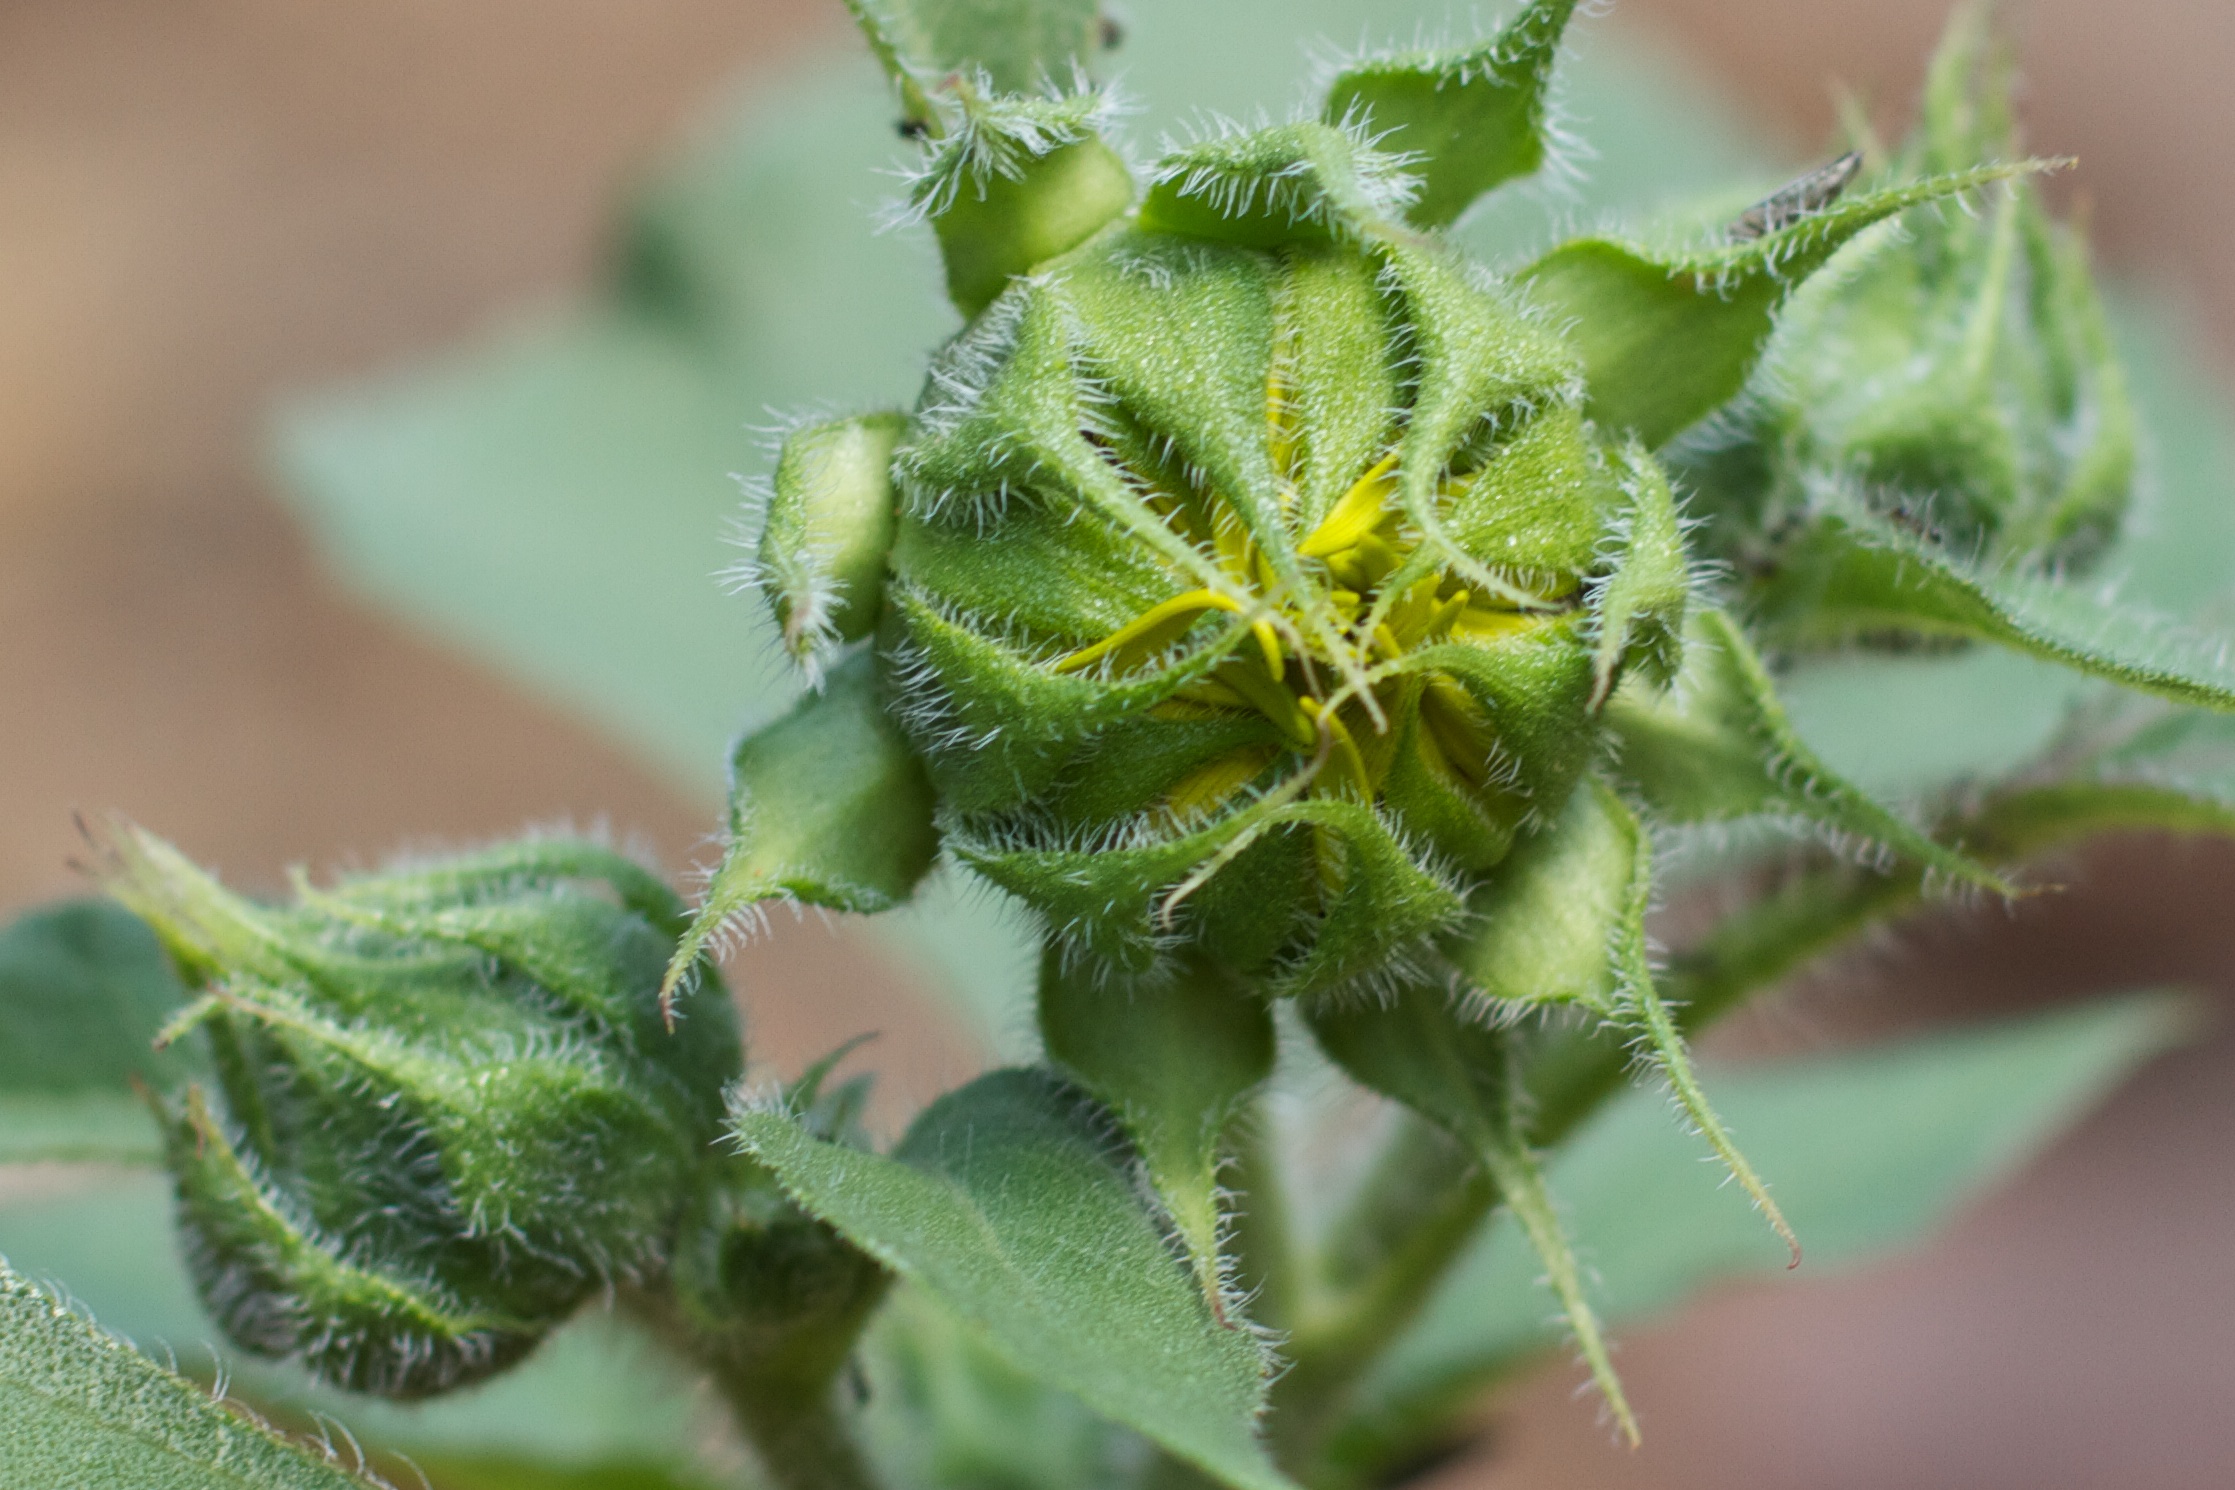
column 1717, row 745
column 1542, row 928
column 1021, row 45
column 829, row 806
column 1852, row 575
column 84, row 988
column 82, row 1408
column 826, row 534
column 1668, row 338
column 1418, row 1049
column 1175, row 1055
column 1877, row 1148
column 1007, row 1203
column 1467, row 118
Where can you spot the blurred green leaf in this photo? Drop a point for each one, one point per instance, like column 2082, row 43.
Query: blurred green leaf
column 84, row 986
column 482, row 1473
column 1869, row 1151
column 81, row 1410
column 1008, row 1204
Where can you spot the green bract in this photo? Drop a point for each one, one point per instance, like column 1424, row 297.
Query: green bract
column 446, row 1109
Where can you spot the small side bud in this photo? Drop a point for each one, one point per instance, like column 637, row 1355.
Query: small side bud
column 821, row 557
column 766, row 1293
column 446, row 1110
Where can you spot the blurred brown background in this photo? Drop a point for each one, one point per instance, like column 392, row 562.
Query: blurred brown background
column 205, row 202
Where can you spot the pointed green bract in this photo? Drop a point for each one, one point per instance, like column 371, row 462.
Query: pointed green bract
column 829, row 806
column 83, row 1408
column 1852, row 577
column 1641, row 610
column 1464, row 119
column 1716, row 745
column 1416, row 1048
column 1542, row 931
column 1175, row 1056
column 1020, row 45
column 1016, row 181
column 1294, row 183
column 1007, row 1203
column 826, row 534
column 1668, row 338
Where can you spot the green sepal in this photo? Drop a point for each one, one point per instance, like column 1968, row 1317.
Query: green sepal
column 826, row 533
column 1563, row 922
column 1668, row 338
column 1542, row 929
column 1418, row 1049
column 507, row 870
column 829, row 806
column 1018, row 45
column 1851, row 577
column 280, row 1285
column 1176, row 1055
column 1642, row 602
column 1465, row 119
column 1716, row 745
column 1016, row 181
column 996, row 727
column 1121, row 905
column 1288, row 184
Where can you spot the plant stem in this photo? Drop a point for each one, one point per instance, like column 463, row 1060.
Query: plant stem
column 801, row 1437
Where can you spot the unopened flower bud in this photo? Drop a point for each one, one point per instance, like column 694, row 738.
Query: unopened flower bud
column 446, row 1108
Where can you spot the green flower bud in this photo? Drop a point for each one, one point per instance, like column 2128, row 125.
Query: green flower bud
column 828, row 526
column 446, row 1108
column 1957, row 374
column 1252, row 595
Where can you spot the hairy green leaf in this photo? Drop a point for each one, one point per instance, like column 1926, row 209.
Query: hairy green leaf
column 829, row 806
column 84, row 988
column 1716, row 745
column 1877, row 1147
column 81, row 1410
column 1466, row 118
column 1852, row 575
column 1010, row 1203
column 1175, row 1055
column 1668, row 338
column 1298, row 183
